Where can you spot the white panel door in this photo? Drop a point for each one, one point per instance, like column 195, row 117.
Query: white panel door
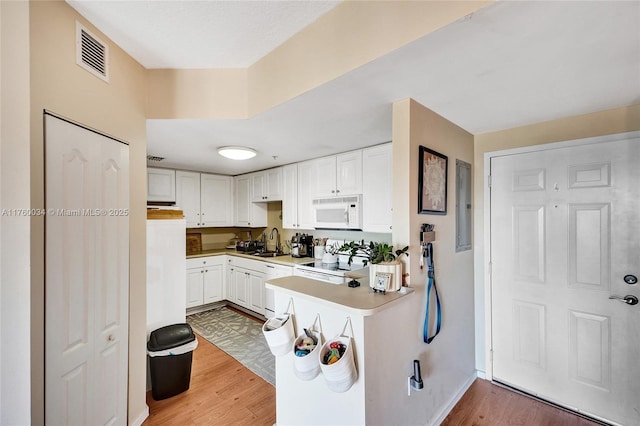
column 256, row 288
column 565, row 231
column 242, row 200
column 161, row 184
column 307, row 172
column 324, row 177
column 86, row 276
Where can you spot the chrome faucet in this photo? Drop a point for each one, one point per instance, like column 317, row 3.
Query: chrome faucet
column 278, row 246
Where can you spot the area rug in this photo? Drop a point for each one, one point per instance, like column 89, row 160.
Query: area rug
column 238, row 336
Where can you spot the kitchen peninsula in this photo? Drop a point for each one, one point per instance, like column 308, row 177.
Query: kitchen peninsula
column 374, row 321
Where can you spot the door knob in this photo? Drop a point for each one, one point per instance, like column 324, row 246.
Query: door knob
column 628, row 299
column 111, row 338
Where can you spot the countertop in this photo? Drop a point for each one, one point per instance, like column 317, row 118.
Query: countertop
column 286, row 260
column 360, row 300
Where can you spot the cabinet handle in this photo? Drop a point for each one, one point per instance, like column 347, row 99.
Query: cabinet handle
column 202, row 272
column 337, row 190
column 206, row 270
column 333, row 192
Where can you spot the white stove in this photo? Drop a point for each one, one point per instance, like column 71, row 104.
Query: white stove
column 334, row 273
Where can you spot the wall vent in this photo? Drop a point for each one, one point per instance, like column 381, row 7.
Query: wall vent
column 92, row 54
column 154, row 158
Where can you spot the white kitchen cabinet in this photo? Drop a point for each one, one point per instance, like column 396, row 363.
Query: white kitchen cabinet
column 188, row 196
column 290, row 196
column 307, row 185
column 256, row 289
column 377, row 194
column 216, row 195
column 271, row 271
column 267, row 185
column 246, row 283
column 205, row 199
column 161, row 185
column 205, row 280
column 338, row 175
column 248, row 213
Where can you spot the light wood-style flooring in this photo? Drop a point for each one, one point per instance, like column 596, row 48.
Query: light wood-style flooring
column 224, row 392
column 486, row 404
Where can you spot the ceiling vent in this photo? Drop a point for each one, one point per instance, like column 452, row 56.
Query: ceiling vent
column 154, row 158
column 92, row 54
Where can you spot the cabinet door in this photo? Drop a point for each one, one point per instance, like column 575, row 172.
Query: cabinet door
column 256, row 288
column 230, row 293
column 349, row 173
column 216, row 200
column 258, row 187
column 213, row 281
column 306, row 188
column 195, row 283
column 273, row 184
column 188, row 197
column 324, row 177
column 290, row 196
column 241, row 282
column 243, row 200
column 161, row 184
column 376, row 189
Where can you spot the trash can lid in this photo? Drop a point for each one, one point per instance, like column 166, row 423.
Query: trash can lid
column 170, row 336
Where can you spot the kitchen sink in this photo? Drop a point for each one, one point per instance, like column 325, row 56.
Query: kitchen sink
column 268, row 254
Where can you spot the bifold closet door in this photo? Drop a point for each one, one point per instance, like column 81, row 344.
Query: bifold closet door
column 86, row 275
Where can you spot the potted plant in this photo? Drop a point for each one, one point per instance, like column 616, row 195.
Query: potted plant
column 381, row 257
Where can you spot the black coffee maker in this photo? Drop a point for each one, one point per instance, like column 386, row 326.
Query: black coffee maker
column 306, row 246
column 302, row 246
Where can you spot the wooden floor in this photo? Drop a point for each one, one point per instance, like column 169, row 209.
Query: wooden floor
column 486, row 404
column 222, row 392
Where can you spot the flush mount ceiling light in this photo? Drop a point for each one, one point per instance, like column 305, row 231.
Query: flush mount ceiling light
column 236, row 152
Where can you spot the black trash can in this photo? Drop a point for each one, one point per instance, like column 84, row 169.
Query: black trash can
column 170, row 352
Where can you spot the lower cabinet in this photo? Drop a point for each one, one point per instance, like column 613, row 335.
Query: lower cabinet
column 246, row 288
column 241, row 281
column 204, row 281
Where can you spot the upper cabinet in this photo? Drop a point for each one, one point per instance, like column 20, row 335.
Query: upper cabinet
column 338, row 175
column 248, row 213
column 267, row 185
column 205, row 199
column 216, row 200
column 161, row 185
column 377, row 199
column 290, row 196
column 297, row 195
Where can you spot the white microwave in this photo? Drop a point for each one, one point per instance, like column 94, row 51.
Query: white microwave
column 338, row 213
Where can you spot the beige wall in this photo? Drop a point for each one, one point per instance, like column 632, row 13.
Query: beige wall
column 448, row 363
column 189, row 93
column 347, row 37
column 15, row 387
column 116, row 108
column 601, row 123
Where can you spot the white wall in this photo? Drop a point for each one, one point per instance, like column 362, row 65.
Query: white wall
column 15, row 324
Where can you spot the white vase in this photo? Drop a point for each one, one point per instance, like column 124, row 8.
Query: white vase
column 394, row 268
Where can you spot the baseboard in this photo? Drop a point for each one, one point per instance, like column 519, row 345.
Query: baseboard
column 142, row 417
column 481, row 374
column 452, row 403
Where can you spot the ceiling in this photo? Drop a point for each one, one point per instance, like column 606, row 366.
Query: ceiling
column 507, row 65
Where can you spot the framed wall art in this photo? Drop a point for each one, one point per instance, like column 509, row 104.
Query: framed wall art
column 432, row 182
